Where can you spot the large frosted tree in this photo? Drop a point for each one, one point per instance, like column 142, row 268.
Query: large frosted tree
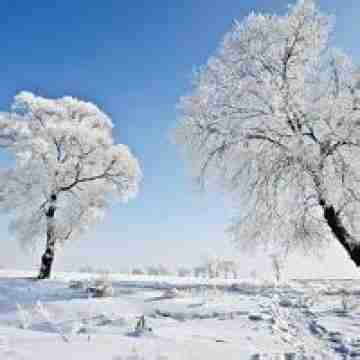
column 275, row 117
column 67, row 169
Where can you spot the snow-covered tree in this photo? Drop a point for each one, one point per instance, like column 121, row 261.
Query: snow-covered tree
column 67, row 168
column 211, row 263
column 228, row 267
column 275, row 116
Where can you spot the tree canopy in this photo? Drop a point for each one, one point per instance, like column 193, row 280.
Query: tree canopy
column 275, row 116
column 65, row 157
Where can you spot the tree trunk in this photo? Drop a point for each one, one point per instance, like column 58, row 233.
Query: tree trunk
column 48, row 257
column 341, row 234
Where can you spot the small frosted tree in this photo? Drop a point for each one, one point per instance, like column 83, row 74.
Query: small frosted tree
column 277, row 265
column 67, row 169
column 227, row 267
column 275, row 116
column 212, row 265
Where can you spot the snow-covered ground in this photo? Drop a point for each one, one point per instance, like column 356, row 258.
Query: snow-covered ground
column 57, row 319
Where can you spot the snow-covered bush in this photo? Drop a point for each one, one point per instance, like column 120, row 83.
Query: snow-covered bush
column 101, row 287
column 141, row 328
column 141, row 324
column 138, row 271
column 170, row 293
column 76, row 284
column 25, row 316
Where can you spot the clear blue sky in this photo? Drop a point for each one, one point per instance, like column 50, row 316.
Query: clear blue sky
column 134, row 59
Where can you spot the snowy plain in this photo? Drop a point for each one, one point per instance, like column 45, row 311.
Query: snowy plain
column 202, row 319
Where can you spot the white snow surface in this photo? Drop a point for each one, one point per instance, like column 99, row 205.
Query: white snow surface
column 185, row 318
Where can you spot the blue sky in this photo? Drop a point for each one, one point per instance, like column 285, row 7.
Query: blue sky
column 134, row 59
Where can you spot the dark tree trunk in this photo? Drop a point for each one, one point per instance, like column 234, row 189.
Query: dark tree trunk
column 48, row 257
column 341, row 234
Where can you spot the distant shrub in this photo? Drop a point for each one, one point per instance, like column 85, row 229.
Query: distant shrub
column 138, row 271
column 152, row 270
column 158, row 270
column 76, row 284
